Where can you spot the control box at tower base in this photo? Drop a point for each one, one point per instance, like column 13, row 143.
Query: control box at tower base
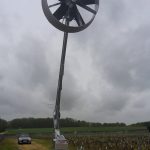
column 61, row 143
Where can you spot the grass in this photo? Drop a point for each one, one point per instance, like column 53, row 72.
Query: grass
column 11, row 144
column 45, row 142
column 8, row 144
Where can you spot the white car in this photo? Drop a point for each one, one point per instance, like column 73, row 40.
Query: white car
column 24, row 139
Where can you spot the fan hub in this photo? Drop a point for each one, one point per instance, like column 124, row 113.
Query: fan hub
column 70, row 3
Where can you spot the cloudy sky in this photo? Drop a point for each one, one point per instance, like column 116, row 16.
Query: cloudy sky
column 107, row 73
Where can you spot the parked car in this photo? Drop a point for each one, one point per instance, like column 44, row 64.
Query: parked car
column 24, row 139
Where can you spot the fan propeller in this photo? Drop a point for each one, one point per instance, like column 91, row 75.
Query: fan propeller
column 68, row 9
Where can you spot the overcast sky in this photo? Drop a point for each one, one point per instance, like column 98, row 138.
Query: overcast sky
column 107, row 72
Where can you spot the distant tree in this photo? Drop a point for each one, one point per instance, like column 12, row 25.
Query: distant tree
column 148, row 128
column 31, row 123
column 146, row 124
column 114, row 124
column 3, row 125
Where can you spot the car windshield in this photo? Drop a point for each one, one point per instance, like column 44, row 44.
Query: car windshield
column 24, row 135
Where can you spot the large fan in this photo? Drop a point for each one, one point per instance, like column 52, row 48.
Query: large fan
column 80, row 13
column 68, row 16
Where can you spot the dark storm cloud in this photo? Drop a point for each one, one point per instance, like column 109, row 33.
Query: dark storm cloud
column 115, row 10
column 113, row 101
column 127, row 65
column 4, row 23
column 71, row 92
column 31, row 60
column 22, row 76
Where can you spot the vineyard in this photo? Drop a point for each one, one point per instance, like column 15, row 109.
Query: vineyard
column 110, row 143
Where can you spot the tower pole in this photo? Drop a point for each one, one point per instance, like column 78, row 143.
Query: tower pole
column 56, row 116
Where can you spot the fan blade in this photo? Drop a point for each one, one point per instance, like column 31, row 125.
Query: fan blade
column 78, row 17
column 86, row 2
column 54, row 5
column 60, row 12
column 88, row 8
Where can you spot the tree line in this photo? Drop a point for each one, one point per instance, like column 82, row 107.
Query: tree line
column 145, row 124
column 48, row 123
column 66, row 122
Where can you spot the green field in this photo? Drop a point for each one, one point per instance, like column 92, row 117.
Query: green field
column 81, row 130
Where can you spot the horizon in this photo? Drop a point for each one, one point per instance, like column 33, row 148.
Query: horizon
column 76, row 120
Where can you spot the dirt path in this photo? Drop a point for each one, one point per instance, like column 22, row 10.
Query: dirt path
column 33, row 146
